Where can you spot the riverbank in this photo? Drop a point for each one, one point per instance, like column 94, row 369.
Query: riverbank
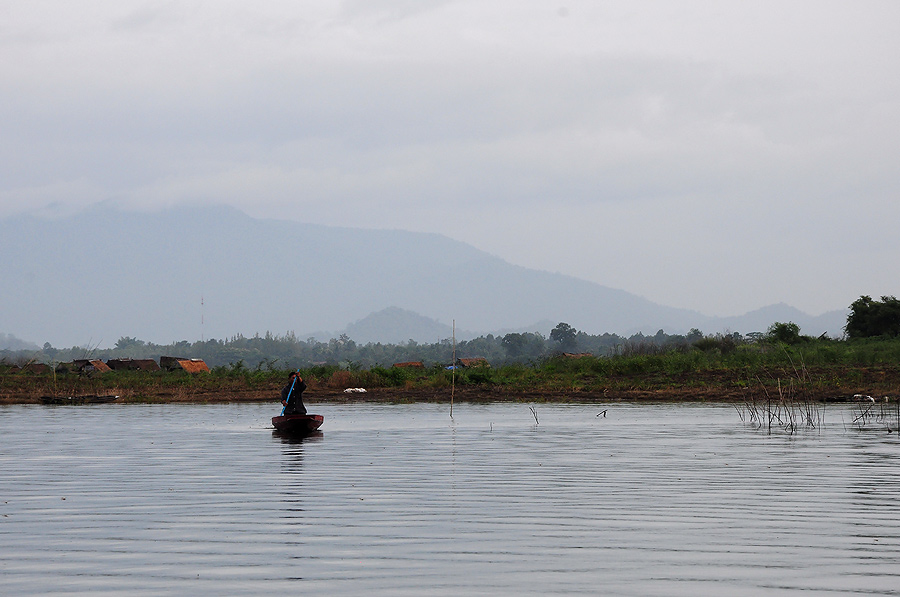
column 833, row 383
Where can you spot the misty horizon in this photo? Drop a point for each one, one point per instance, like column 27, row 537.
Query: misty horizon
column 135, row 272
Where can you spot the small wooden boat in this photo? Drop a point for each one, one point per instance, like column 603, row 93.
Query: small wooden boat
column 297, row 425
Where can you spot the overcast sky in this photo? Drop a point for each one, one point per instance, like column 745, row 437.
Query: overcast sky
column 718, row 156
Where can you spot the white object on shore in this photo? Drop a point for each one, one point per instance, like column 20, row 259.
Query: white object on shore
column 353, row 390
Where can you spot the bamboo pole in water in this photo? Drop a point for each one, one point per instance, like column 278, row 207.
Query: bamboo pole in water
column 453, row 371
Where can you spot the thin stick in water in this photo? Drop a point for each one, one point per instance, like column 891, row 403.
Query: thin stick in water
column 453, row 371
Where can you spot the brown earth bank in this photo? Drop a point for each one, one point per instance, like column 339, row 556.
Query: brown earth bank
column 822, row 384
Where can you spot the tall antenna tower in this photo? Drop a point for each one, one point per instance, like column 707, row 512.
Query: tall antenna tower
column 202, row 337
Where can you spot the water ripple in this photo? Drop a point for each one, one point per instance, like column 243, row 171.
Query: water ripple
column 400, row 500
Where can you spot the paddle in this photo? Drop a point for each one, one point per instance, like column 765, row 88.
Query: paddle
column 286, row 400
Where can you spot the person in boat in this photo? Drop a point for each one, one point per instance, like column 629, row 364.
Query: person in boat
column 292, row 395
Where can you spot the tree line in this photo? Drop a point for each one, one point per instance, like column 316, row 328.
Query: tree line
column 868, row 318
column 288, row 351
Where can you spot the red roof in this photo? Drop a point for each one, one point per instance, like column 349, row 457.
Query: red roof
column 194, row 365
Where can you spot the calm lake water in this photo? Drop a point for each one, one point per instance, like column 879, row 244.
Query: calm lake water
column 400, row 500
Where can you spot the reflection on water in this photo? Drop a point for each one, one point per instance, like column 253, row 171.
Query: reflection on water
column 400, row 499
column 288, row 438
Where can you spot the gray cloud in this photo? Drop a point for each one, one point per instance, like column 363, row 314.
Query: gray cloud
column 704, row 155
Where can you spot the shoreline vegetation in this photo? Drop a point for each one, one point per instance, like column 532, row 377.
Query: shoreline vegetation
column 778, row 367
column 812, row 370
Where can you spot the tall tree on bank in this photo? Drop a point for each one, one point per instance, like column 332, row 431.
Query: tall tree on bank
column 565, row 335
column 870, row 318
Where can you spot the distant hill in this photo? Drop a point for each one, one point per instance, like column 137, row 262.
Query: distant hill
column 102, row 274
column 394, row 326
column 10, row 342
column 831, row 322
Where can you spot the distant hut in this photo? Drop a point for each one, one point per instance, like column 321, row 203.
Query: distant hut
column 410, row 365
column 37, row 369
column 194, row 365
column 473, row 362
column 132, row 365
column 90, row 366
column 63, row 368
column 189, row 365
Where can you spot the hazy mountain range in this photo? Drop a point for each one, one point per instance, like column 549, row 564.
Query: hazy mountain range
column 214, row 272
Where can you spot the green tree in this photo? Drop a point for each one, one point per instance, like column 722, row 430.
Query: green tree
column 527, row 345
column 565, row 335
column 128, row 342
column 786, row 333
column 514, row 344
column 869, row 318
column 694, row 335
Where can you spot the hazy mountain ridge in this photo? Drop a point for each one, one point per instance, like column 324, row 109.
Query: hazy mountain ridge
column 395, row 326
column 103, row 274
column 10, row 342
column 831, row 322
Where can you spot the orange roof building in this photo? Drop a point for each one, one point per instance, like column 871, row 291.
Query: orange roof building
column 189, row 365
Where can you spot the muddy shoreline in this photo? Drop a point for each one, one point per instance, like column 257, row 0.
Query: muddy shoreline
column 831, row 384
column 460, row 395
